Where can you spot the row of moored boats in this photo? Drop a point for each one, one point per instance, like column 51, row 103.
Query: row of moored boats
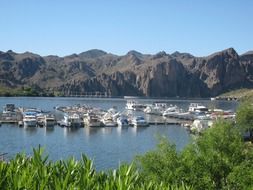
column 82, row 115
column 78, row 116
column 200, row 116
column 195, row 110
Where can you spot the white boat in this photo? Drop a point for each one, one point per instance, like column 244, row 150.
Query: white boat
column 40, row 120
column 92, row 120
column 49, row 120
column 201, row 115
column 161, row 105
column 115, row 114
column 199, row 125
column 20, row 123
column 29, row 120
column 152, row 109
column 197, row 107
column 122, row 121
column 72, row 120
column 140, row 121
column 33, row 111
column 108, row 120
column 9, row 108
column 219, row 113
column 133, row 105
column 171, row 111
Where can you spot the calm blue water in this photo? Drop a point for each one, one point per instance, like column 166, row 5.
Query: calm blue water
column 108, row 147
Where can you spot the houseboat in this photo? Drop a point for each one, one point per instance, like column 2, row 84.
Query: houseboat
column 140, row 121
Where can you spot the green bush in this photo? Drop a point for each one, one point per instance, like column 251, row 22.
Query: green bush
column 219, row 159
column 37, row 172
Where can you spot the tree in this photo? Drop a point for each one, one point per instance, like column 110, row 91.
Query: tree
column 241, row 176
column 161, row 164
column 214, row 155
column 244, row 118
column 206, row 163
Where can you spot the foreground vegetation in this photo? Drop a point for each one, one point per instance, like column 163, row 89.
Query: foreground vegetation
column 37, row 172
column 219, row 159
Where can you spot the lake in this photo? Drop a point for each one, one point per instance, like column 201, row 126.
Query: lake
column 108, row 147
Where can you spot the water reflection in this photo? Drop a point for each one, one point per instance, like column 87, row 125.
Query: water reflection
column 49, row 130
column 70, row 131
column 121, row 130
column 89, row 131
column 135, row 130
column 30, row 130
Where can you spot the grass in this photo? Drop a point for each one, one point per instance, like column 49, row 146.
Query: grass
column 241, row 94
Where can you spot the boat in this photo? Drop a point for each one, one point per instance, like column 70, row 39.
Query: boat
column 49, row 120
column 92, row 120
column 33, row 111
column 199, row 125
column 72, row 120
column 133, row 105
column 20, row 123
column 115, row 114
column 197, row 107
column 122, row 121
column 201, row 116
column 161, row 105
column 9, row 108
column 9, row 113
column 74, row 109
column 108, row 120
column 40, row 120
column 29, row 120
column 152, row 109
column 139, row 121
column 171, row 111
column 224, row 114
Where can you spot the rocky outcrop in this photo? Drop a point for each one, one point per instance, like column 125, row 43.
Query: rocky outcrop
column 159, row 75
column 220, row 71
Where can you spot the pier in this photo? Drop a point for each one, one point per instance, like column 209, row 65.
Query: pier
column 88, row 94
column 226, row 98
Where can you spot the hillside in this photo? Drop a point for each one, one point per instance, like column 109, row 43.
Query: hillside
column 159, row 75
column 240, row 94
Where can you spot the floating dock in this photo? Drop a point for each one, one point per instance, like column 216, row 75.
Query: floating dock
column 164, row 123
column 9, row 121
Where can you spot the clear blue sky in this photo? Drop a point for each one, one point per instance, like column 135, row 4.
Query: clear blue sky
column 64, row 27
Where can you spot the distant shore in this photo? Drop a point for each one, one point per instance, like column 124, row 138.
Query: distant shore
column 239, row 94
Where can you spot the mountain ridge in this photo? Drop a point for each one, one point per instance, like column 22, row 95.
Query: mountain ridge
column 157, row 75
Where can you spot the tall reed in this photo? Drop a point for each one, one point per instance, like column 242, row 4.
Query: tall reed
column 37, row 172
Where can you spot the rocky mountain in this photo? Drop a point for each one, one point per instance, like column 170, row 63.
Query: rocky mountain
column 159, row 75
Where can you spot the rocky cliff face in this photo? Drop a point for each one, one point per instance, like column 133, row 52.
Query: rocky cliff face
column 159, row 75
column 220, row 71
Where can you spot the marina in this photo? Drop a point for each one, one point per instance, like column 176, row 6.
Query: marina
column 73, row 116
column 79, row 116
column 108, row 145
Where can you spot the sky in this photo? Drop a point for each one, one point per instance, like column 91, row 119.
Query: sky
column 63, row 27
